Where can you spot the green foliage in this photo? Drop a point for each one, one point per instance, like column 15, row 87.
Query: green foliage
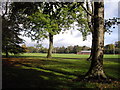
column 41, row 18
column 10, row 33
column 70, row 49
column 43, row 22
column 109, row 23
column 117, row 44
column 36, row 50
column 112, row 48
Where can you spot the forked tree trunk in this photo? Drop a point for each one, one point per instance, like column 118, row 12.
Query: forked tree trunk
column 49, row 54
column 96, row 69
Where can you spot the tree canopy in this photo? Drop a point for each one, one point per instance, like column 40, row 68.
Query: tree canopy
column 46, row 19
column 10, row 33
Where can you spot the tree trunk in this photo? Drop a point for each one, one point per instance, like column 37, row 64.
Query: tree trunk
column 6, row 51
column 91, row 54
column 96, row 69
column 49, row 55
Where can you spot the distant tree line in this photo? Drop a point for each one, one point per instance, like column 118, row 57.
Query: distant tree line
column 112, row 48
column 69, row 49
column 108, row 49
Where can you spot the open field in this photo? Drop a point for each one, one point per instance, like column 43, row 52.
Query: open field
column 35, row 71
column 63, row 55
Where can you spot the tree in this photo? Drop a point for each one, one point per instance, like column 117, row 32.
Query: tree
column 10, row 33
column 24, row 47
column 45, row 20
column 98, row 28
column 117, row 44
column 117, row 47
column 109, row 49
column 53, row 17
column 85, row 48
column 96, row 69
column 95, row 21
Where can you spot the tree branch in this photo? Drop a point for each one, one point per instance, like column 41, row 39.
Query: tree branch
column 89, row 18
column 86, row 10
column 6, row 8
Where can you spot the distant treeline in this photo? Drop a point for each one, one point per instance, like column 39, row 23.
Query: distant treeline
column 112, row 48
column 69, row 49
column 108, row 49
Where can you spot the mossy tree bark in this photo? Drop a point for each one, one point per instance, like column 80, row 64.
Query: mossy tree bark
column 96, row 69
column 49, row 54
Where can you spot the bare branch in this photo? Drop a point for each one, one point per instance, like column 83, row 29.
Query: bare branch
column 6, row 9
column 89, row 18
column 86, row 10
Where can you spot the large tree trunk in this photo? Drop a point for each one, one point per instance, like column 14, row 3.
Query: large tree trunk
column 49, row 54
column 96, row 69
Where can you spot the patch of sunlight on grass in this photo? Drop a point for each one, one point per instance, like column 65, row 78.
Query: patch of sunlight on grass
column 111, row 56
column 37, row 55
column 67, row 69
column 72, row 76
column 44, row 77
column 109, row 62
column 56, row 73
column 24, row 67
column 53, row 66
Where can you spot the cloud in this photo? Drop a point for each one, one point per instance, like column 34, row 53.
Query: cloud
column 111, row 9
column 68, row 39
column 112, row 37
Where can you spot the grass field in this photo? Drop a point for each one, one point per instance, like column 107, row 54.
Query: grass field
column 36, row 71
column 63, row 55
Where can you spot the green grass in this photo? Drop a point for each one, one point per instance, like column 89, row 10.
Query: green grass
column 35, row 55
column 36, row 71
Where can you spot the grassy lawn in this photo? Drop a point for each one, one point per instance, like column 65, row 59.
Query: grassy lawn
column 35, row 71
column 38, row 55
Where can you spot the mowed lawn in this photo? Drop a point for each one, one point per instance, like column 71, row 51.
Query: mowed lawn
column 34, row 70
column 63, row 55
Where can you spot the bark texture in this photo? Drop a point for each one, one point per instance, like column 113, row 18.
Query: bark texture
column 49, row 54
column 96, row 69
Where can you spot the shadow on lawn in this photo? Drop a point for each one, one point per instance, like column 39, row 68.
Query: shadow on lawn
column 28, row 78
column 18, row 56
column 18, row 77
column 41, row 57
column 57, row 71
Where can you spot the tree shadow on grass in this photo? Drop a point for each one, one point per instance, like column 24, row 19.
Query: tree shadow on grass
column 28, row 78
column 53, row 70
column 41, row 57
column 18, row 77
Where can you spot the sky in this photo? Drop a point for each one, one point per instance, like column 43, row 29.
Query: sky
column 74, row 37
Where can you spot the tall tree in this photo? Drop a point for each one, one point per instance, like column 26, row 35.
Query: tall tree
column 10, row 32
column 98, row 28
column 96, row 69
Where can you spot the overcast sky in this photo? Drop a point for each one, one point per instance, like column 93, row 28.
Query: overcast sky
column 74, row 37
